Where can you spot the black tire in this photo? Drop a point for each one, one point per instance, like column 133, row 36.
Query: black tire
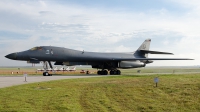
column 99, row 72
column 111, row 72
column 46, row 74
column 102, row 72
column 115, row 72
column 105, row 72
column 118, row 72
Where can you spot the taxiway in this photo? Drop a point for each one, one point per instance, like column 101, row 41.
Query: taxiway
column 6, row 81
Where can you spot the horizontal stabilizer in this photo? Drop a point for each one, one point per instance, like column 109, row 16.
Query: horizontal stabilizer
column 163, row 59
column 133, row 59
column 155, row 52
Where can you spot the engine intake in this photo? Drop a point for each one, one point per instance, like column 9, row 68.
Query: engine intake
column 34, row 61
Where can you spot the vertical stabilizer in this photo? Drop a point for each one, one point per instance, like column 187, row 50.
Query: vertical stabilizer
column 145, row 45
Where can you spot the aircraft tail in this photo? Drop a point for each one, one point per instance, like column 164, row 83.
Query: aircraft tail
column 145, row 45
column 143, row 50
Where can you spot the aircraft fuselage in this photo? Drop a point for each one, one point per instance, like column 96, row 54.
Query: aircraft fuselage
column 109, row 61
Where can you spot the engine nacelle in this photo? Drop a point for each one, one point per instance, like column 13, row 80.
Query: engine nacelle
column 131, row 64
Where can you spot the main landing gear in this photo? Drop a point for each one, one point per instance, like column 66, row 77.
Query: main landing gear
column 103, row 72
column 115, row 72
column 112, row 72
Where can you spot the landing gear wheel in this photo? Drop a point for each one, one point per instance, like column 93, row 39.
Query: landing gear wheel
column 104, row 72
column 99, row 72
column 46, row 74
column 118, row 72
column 115, row 72
column 112, row 72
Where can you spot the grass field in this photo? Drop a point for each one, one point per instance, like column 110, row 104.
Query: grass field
column 136, row 93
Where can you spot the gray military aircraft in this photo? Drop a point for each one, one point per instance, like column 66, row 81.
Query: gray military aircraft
column 103, row 61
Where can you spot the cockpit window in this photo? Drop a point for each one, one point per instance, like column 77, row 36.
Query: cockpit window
column 33, row 49
column 36, row 48
column 39, row 48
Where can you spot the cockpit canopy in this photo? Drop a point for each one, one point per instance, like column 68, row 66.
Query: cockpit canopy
column 36, row 48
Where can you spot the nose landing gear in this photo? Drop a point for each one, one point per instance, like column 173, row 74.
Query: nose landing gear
column 45, row 66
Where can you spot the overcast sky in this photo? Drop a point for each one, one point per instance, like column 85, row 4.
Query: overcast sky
column 102, row 26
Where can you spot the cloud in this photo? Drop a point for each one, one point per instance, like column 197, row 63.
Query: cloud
column 25, row 24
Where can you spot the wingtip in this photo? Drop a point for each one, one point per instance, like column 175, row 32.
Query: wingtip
column 189, row 59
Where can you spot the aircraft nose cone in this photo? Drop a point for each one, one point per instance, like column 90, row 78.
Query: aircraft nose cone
column 11, row 56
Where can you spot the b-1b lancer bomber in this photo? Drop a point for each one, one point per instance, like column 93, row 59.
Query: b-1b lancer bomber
column 103, row 61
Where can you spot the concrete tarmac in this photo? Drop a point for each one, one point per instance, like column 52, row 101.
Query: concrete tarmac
column 6, row 81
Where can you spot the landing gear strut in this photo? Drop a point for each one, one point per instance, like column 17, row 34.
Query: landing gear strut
column 45, row 66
